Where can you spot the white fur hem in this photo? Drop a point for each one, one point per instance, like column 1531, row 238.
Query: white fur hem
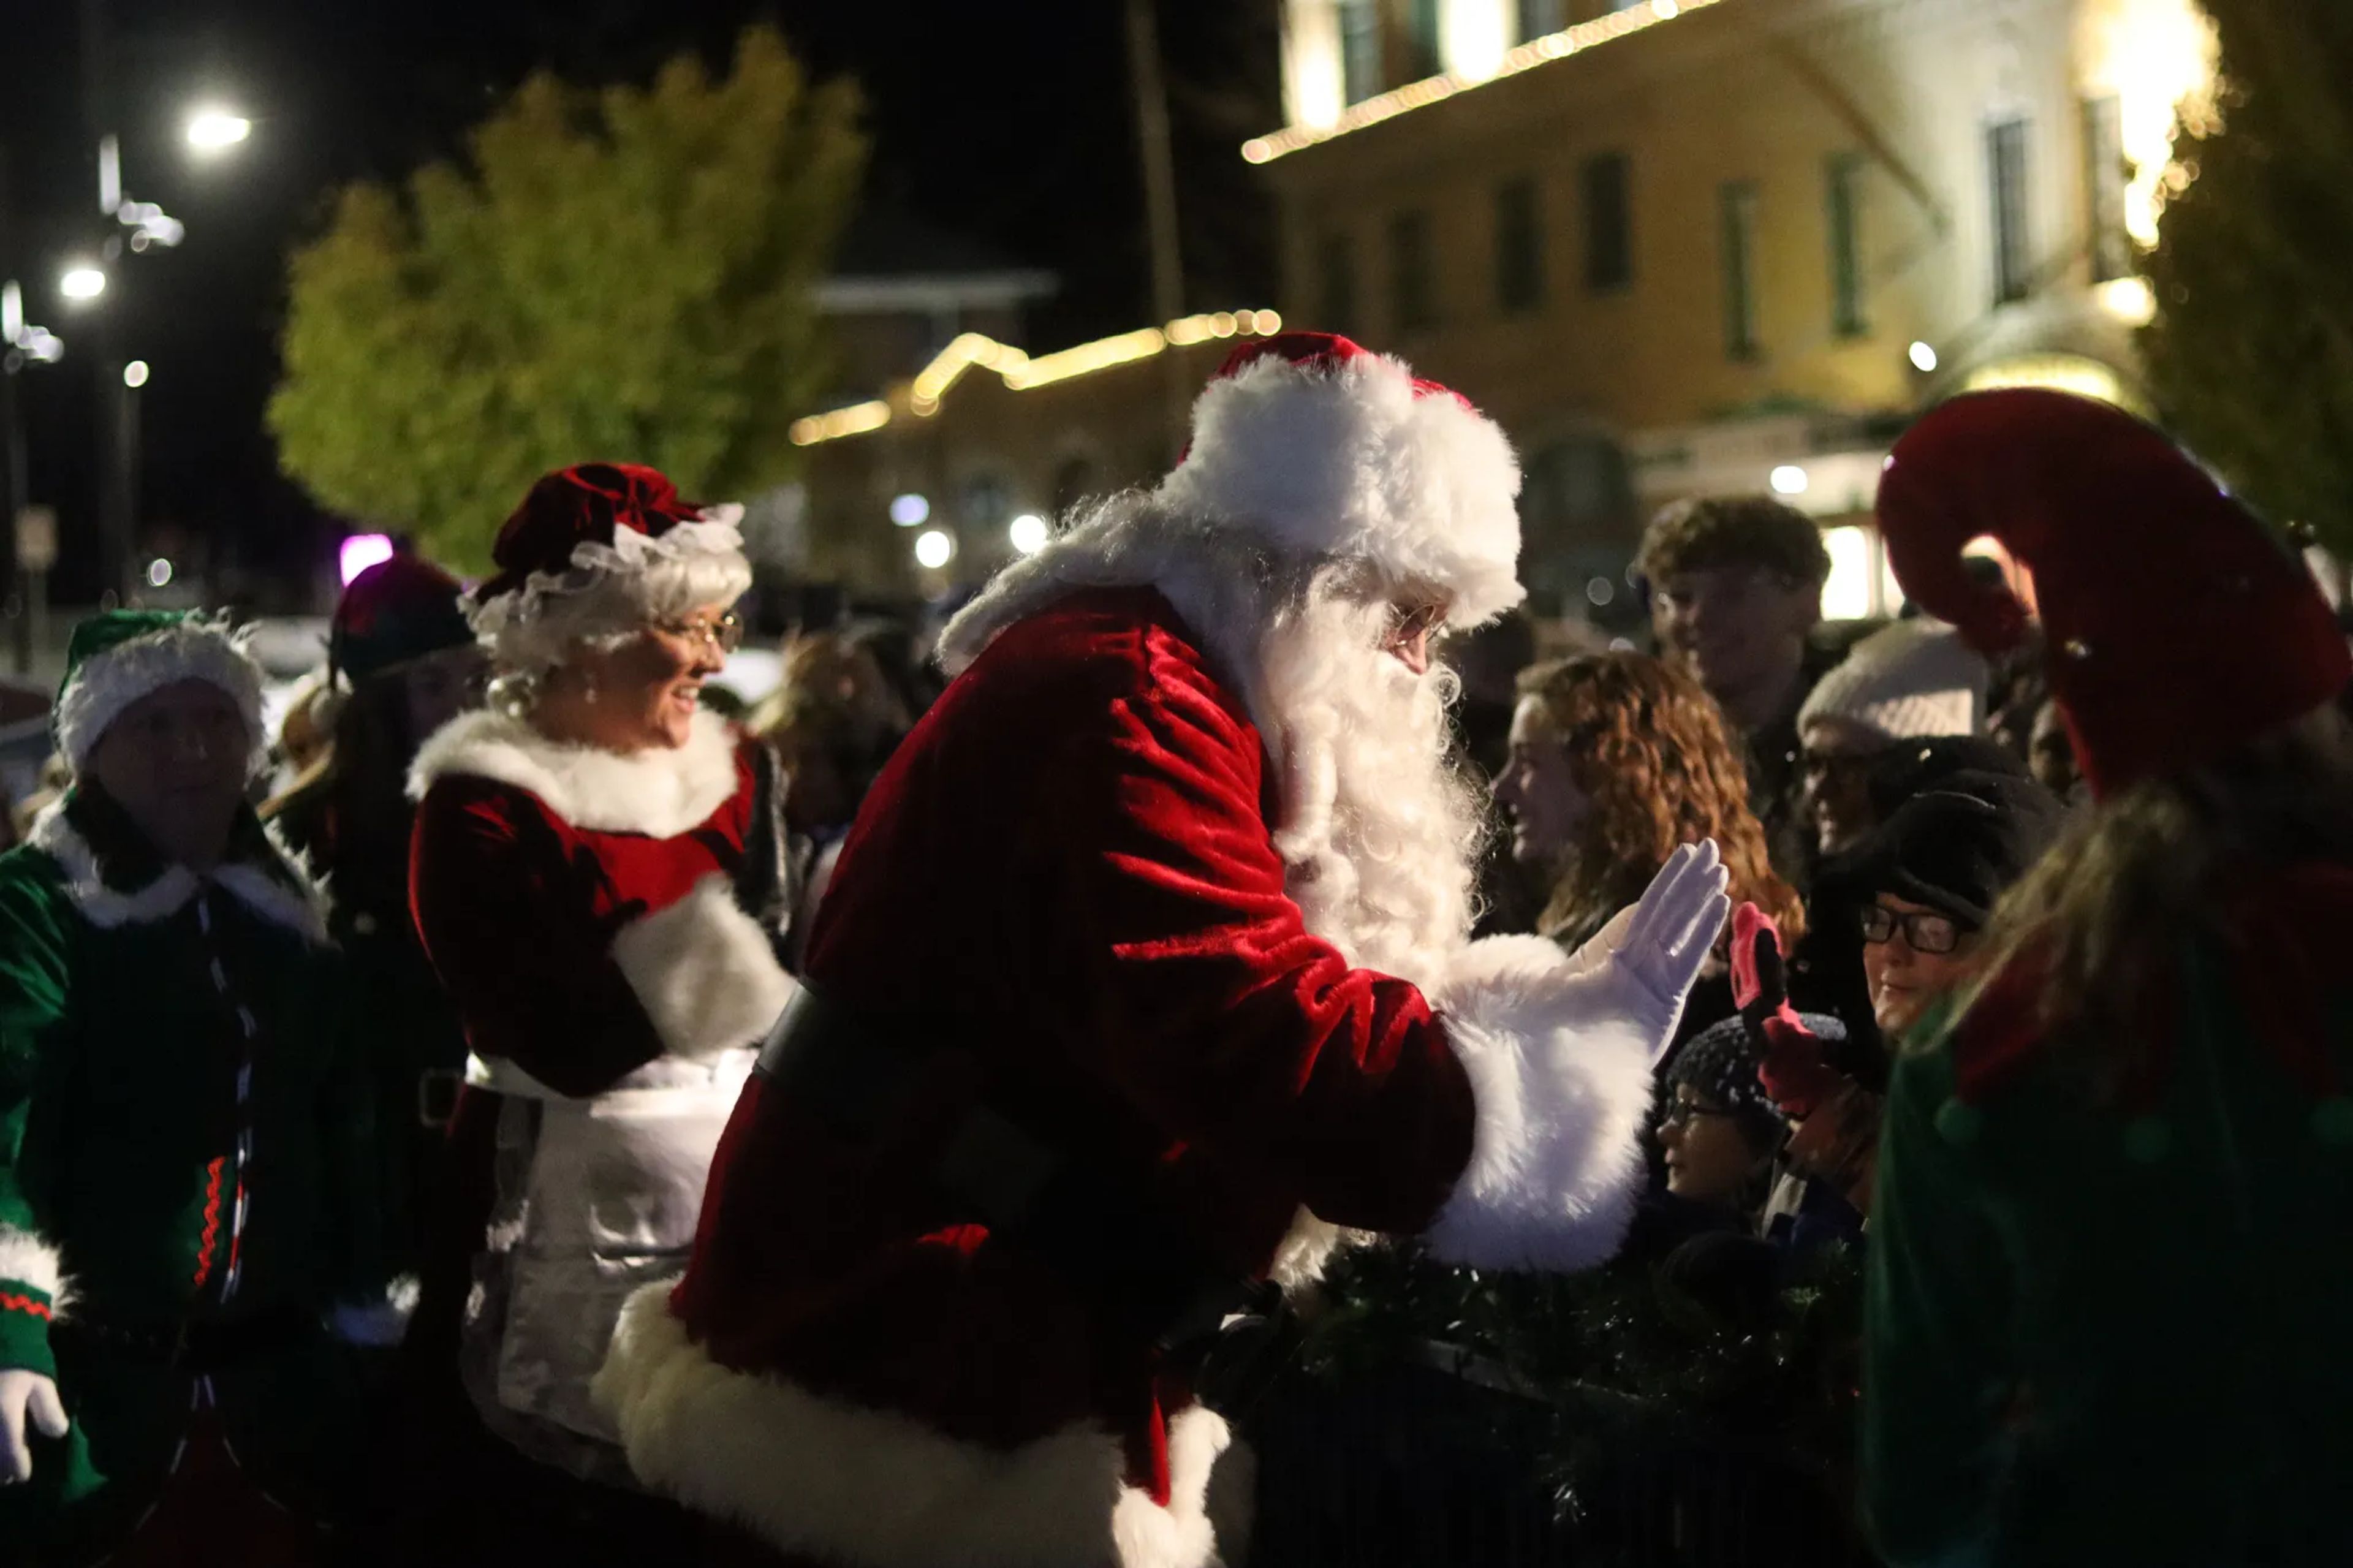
column 875, row 1489
column 659, row 792
column 704, row 971
column 25, row 1260
column 1561, row 1086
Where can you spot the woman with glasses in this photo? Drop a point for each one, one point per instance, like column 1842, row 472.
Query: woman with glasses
column 1922, row 887
column 1927, row 882
column 598, row 879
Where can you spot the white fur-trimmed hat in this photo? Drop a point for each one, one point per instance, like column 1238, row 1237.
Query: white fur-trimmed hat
column 595, row 551
column 117, row 656
column 1321, row 448
column 1907, row 682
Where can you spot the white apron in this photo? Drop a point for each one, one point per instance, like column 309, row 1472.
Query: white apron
column 607, row 1201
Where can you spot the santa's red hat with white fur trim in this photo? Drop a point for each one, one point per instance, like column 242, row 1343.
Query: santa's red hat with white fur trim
column 1323, row 449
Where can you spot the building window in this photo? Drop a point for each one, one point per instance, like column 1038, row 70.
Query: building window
column 2106, row 174
column 1843, row 199
column 1413, row 301
column 1539, row 17
column 1736, row 224
column 2013, row 263
column 1609, row 223
column 1336, row 265
column 1360, row 49
column 1423, row 30
column 1519, row 246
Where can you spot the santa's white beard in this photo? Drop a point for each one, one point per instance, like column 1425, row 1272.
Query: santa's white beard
column 1378, row 831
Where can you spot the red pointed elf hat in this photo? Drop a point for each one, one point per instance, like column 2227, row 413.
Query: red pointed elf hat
column 1323, row 448
column 2178, row 627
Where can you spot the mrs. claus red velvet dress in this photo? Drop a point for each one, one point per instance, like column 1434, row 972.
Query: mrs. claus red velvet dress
column 587, row 910
column 1071, row 856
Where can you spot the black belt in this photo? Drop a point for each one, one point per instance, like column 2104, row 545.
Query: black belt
column 188, row 1345
column 1098, row 1228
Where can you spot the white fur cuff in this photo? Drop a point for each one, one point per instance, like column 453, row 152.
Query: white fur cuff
column 1562, row 1082
column 704, row 971
column 25, row 1260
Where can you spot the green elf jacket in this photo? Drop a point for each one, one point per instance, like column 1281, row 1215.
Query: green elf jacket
column 2100, row 1333
column 186, row 1169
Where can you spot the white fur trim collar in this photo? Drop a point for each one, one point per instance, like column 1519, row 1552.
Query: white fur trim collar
column 660, row 792
column 878, row 1490
column 281, row 895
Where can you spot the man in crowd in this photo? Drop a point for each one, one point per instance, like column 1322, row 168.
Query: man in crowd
column 1146, row 970
column 186, row 1158
column 1736, row 592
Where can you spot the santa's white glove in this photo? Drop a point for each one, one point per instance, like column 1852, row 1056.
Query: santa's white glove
column 1560, row 1052
column 24, row 1394
column 1656, row 949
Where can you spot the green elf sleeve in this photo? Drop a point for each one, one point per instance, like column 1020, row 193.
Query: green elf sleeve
column 1935, row 1389
column 34, row 926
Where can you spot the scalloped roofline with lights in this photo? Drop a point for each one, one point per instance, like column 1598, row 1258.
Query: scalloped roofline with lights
column 920, row 397
column 1421, row 94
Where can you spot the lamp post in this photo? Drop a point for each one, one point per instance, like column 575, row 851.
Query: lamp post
column 22, row 346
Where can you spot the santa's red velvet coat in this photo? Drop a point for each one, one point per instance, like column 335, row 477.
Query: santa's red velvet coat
column 1072, row 856
column 583, row 909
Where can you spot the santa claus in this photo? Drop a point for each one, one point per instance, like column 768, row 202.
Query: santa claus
column 1145, row 974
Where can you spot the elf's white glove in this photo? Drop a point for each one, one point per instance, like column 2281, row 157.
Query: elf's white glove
column 1560, row 1051
column 26, row 1394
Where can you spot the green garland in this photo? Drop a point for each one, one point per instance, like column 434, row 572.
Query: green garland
column 1629, row 1356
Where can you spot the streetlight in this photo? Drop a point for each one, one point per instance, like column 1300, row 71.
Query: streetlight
column 134, row 375
column 82, row 283
column 211, row 129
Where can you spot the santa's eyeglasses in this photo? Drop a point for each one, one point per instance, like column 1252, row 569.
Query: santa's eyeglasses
column 1406, row 626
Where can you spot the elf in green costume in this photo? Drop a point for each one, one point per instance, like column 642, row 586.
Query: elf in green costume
column 2109, row 1276
column 184, row 1135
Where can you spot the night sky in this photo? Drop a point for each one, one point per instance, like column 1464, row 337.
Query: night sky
column 1007, row 124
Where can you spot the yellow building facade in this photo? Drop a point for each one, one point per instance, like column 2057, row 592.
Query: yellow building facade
column 1726, row 245
column 1675, row 248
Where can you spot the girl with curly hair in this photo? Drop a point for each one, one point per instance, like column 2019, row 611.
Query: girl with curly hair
column 1616, row 759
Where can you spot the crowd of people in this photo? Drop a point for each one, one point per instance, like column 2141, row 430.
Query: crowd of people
column 573, row 1118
